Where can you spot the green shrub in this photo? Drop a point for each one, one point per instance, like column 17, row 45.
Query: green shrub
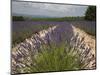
column 18, row 18
column 56, row 58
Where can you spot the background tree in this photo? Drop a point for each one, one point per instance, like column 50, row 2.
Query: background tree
column 90, row 13
column 18, row 18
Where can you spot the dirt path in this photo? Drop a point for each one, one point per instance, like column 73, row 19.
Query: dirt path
column 87, row 47
column 88, row 39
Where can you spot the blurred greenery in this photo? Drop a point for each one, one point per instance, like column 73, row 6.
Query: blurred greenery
column 71, row 18
column 59, row 19
column 90, row 13
column 18, row 18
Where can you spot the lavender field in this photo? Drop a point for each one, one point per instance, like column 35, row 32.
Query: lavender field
column 50, row 37
column 53, row 40
column 24, row 29
column 20, row 25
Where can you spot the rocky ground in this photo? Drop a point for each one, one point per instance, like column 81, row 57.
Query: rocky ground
column 87, row 45
column 76, row 38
